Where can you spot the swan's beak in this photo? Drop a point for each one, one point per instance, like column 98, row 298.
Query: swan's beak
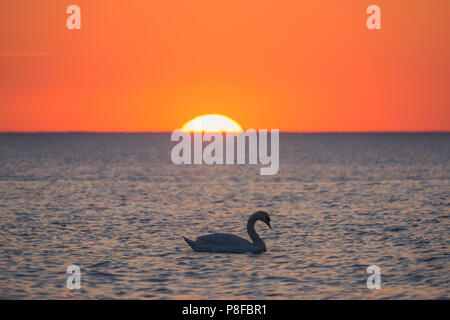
column 268, row 223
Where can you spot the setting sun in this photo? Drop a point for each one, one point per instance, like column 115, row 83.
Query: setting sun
column 212, row 123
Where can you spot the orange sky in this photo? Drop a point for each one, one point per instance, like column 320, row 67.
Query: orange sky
column 291, row 65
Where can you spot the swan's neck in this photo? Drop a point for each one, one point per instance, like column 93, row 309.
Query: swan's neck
column 257, row 241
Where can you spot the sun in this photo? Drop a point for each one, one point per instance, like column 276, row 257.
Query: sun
column 212, row 123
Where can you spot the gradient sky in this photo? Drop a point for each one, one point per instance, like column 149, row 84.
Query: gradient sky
column 292, row 65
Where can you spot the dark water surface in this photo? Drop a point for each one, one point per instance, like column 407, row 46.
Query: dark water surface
column 116, row 206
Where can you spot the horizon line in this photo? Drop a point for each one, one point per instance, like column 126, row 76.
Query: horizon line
column 281, row 131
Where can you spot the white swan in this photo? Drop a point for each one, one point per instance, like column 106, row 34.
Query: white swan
column 229, row 243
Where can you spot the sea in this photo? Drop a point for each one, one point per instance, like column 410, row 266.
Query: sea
column 116, row 207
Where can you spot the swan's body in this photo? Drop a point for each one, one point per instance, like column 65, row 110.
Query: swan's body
column 229, row 243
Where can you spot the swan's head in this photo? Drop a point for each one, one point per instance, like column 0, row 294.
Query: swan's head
column 264, row 217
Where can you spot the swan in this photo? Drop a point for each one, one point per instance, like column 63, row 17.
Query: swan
column 229, row 243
